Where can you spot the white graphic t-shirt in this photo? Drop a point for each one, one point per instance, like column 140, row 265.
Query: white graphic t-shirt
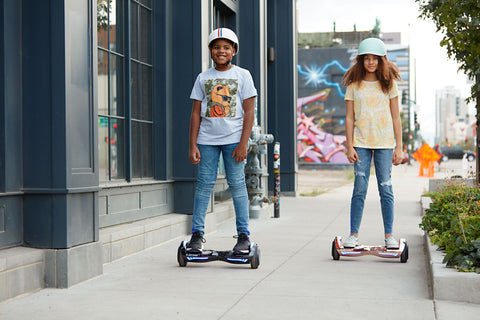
column 222, row 94
column 373, row 125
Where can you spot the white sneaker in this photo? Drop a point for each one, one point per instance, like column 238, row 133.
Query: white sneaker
column 350, row 242
column 391, row 243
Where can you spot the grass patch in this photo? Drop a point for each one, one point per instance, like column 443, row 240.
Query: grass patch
column 350, row 174
column 313, row 193
column 316, row 183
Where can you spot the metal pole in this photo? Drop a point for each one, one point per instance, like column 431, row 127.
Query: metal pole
column 409, row 104
column 276, row 180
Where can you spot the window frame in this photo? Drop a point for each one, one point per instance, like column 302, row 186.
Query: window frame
column 127, row 115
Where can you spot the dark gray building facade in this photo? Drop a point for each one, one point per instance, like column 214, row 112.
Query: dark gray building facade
column 94, row 120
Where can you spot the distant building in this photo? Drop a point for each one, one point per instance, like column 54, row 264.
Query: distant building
column 399, row 54
column 343, row 39
column 453, row 122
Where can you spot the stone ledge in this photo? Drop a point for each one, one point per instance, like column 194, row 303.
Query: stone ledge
column 123, row 240
column 435, row 185
column 448, row 283
column 67, row 267
column 26, row 270
column 21, row 271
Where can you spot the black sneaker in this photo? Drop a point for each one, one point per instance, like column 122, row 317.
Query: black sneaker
column 196, row 242
column 243, row 244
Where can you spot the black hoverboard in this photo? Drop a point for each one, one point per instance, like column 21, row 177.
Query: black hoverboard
column 185, row 256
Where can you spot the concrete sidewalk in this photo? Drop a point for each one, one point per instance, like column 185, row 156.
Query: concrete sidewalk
column 297, row 278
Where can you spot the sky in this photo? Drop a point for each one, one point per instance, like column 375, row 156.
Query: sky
column 434, row 70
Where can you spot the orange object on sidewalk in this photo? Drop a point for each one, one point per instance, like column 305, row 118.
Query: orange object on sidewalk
column 426, row 156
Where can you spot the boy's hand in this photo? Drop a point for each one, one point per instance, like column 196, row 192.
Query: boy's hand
column 240, row 153
column 352, row 155
column 194, row 155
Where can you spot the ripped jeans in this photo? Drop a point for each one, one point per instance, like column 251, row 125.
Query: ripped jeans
column 382, row 159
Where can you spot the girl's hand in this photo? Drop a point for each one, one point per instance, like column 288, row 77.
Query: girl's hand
column 397, row 156
column 352, row 155
column 194, row 155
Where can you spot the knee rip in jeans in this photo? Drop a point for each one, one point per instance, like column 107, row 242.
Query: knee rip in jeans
column 386, row 183
column 360, row 174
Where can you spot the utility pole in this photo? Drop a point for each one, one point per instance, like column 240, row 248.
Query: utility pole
column 409, row 133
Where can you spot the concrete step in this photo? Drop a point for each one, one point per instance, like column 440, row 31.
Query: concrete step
column 25, row 270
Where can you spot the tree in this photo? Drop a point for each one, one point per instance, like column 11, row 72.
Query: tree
column 103, row 9
column 375, row 33
column 459, row 22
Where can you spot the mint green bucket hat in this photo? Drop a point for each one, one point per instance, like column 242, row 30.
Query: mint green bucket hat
column 372, row 46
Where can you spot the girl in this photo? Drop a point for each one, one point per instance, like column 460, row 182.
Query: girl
column 373, row 129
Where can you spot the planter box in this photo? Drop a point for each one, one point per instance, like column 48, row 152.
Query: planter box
column 448, row 283
column 435, row 185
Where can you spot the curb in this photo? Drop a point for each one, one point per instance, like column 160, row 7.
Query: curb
column 448, row 283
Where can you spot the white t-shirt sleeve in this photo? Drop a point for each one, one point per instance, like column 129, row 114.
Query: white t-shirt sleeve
column 198, row 90
column 248, row 89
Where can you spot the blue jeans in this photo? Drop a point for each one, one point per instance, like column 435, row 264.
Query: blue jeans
column 207, row 176
column 382, row 159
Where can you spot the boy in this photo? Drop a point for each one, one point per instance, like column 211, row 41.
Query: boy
column 221, row 122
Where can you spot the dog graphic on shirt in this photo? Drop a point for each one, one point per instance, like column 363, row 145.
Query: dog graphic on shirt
column 221, row 101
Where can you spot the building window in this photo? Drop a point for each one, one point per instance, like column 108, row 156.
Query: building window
column 224, row 15
column 142, row 88
column 125, row 112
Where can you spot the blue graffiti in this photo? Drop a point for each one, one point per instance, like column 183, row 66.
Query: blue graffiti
column 316, row 75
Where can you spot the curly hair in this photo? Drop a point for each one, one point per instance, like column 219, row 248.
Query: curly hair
column 386, row 73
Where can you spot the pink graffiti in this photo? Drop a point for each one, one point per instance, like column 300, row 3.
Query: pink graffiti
column 314, row 144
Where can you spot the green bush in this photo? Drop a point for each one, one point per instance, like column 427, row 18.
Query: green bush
column 453, row 224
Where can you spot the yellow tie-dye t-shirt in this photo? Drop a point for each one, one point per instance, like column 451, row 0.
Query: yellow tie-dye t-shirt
column 373, row 125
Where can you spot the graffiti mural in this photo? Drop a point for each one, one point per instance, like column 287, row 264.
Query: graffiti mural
column 318, row 76
column 320, row 106
column 313, row 143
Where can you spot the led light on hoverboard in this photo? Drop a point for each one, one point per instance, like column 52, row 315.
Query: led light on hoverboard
column 390, row 254
column 196, row 258
column 353, row 253
column 237, row 260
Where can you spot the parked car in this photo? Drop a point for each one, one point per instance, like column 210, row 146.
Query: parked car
column 456, row 152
